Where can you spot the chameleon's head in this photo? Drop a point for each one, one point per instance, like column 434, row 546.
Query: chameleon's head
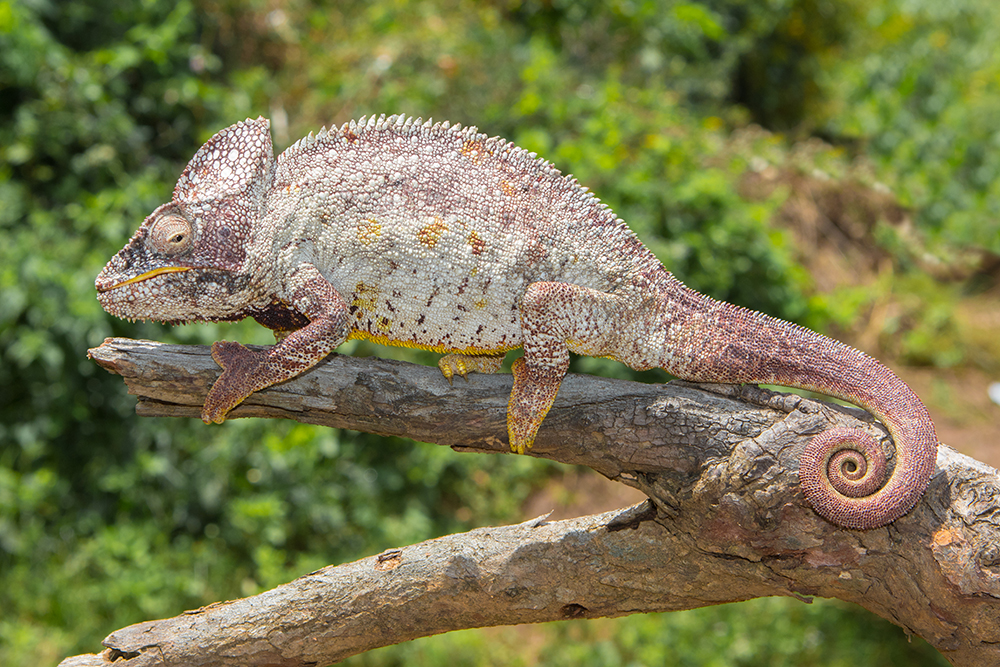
column 189, row 260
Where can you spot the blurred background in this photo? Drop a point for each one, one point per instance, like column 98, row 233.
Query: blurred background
column 834, row 163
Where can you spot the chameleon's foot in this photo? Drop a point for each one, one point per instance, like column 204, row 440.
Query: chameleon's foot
column 241, row 374
column 530, row 401
column 463, row 364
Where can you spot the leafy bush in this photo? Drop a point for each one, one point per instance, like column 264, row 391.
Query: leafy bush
column 919, row 91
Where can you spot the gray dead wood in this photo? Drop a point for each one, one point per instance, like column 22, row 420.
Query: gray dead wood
column 725, row 520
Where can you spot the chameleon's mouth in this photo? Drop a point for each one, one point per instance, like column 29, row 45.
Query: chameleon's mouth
column 142, row 276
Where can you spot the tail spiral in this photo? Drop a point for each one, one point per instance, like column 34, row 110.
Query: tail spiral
column 843, row 472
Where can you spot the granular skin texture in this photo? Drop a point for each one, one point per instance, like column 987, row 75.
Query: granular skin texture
column 438, row 237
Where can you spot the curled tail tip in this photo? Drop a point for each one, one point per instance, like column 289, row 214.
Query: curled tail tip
column 843, row 476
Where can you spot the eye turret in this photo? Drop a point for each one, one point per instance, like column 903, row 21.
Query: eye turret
column 171, row 235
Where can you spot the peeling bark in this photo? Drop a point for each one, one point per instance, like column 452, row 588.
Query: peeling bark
column 726, row 520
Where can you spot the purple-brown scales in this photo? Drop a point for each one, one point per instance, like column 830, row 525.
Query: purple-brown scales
column 438, row 237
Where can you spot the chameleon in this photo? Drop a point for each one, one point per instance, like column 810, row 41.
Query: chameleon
column 436, row 236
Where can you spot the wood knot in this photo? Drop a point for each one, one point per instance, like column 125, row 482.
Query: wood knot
column 115, row 654
column 388, row 560
column 574, row 610
column 989, row 557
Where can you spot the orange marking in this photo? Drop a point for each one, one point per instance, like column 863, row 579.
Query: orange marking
column 432, row 233
column 369, row 231
column 472, row 150
column 477, row 243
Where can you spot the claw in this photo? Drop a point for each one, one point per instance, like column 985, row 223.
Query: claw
column 462, row 364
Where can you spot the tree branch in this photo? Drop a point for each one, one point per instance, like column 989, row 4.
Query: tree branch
column 726, row 520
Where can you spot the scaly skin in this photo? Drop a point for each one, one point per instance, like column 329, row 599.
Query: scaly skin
column 441, row 238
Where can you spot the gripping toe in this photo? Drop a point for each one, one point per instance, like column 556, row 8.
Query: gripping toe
column 241, row 376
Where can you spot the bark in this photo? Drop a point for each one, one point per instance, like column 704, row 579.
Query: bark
column 725, row 520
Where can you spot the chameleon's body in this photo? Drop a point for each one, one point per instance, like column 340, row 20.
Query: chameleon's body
column 441, row 238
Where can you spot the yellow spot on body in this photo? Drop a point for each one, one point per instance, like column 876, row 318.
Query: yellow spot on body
column 432, row 233
column 507, row 188
column 384, row 323
column 480, row 304
column 369, row 231
column 366, row 296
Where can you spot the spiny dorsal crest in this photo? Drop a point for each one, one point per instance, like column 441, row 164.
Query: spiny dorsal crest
column 374, row 129
column 235, row 159
column 371, row 128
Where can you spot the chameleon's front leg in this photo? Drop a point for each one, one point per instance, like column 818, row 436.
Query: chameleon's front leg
column 246, row 371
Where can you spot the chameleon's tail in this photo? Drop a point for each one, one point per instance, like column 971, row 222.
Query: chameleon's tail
column 841, row 470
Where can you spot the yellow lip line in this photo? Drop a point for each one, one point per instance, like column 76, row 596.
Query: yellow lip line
column 147, row 275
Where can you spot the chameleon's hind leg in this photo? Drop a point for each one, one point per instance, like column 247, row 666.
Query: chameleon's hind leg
column 555, row 318
column 463, row 364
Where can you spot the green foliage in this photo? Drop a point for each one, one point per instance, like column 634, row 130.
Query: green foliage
column 919, row 91
column 765, row 56
column 107, row 519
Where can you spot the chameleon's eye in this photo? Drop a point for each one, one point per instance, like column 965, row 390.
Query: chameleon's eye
column 171, row 235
